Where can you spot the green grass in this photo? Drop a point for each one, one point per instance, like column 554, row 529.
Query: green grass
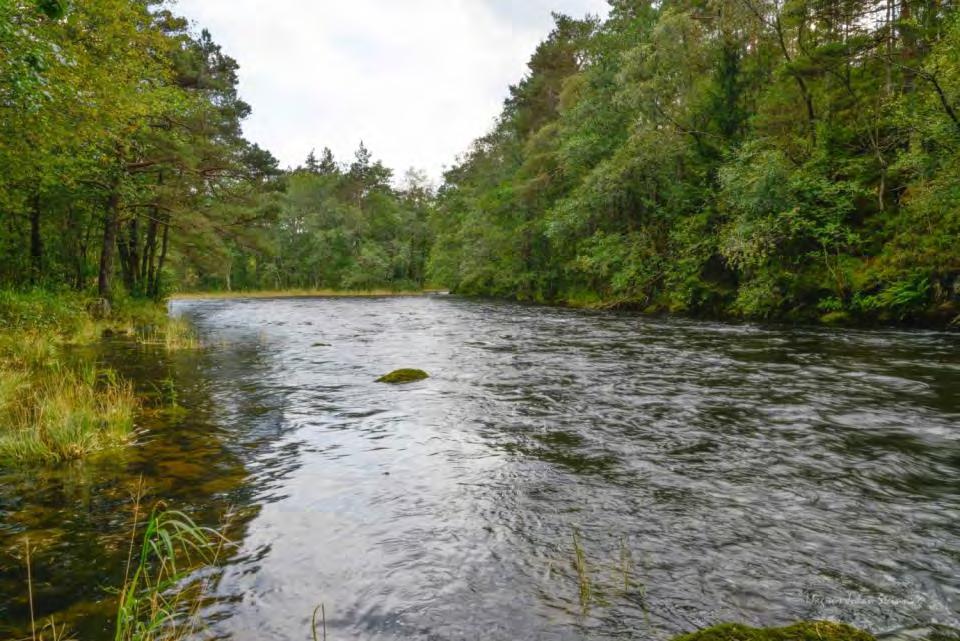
column 173, row 335
column 62, row 414
column 159, row 601
column 53, row 410
column 583, row 575
column 57, row 404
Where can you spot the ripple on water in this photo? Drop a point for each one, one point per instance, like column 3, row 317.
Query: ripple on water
column 710, row 471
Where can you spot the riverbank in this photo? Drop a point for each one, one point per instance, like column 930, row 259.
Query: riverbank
column 945, row 317
column 57, row 403
column 302, row 293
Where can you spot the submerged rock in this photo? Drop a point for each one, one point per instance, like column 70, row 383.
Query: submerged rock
column 931, row 632
column 806, row 631
column 404, row 376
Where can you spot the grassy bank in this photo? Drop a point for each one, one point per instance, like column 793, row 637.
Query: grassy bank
column 299, row 293
column 56, row 403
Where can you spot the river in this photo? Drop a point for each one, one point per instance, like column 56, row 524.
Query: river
column 705, row 472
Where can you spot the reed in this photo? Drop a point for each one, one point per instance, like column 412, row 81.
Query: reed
column 583, row 576
column 161, row 599
column 322, row 611
column 174, row 335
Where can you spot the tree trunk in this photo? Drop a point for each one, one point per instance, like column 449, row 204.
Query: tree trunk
column 111, row 229
column 36, row 241
column 133, row 246
column 908, row 48
column 123, row 248
column 149, row 253
column 165, row 243
column 801, row 83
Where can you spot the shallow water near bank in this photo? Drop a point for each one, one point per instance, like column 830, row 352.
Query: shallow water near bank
column 710, row 472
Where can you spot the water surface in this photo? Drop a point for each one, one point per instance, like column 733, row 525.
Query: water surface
column 710, row 472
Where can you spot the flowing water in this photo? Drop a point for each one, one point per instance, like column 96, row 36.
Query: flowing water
column 703, row 472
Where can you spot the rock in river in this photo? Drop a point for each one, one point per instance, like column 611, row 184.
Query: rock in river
column 404, row 376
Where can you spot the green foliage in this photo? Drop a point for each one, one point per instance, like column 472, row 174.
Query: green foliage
column 41, row 311
column 120, row 147
column 733, row 158
column 159, row 600
column 334, row 227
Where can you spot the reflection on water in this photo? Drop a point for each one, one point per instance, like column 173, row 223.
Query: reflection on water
column 713, row 472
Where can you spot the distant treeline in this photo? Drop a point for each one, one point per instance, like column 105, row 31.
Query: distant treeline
column 334, row 226
column 782, row 159
column 793, row 159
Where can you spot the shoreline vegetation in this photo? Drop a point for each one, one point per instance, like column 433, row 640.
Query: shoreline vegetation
column 786, row 164
column 57, row 403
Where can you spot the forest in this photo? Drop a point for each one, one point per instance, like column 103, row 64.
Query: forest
column 125, row 171
column 757, row 159
column 791, row 160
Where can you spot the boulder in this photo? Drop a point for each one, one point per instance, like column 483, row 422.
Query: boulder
column 404, row 376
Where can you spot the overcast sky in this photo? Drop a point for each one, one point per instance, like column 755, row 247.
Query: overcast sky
column 416, row 80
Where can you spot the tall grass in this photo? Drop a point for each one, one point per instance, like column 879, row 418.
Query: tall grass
column 63, row 414
column 52, row 410
column 583, row 575
column 159, row 601
column 164, row 587
column 49, row 631
column 174, row 335
column 57, row 406
column 603, row 581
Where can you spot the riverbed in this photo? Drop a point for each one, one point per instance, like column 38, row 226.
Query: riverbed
column 700, row 472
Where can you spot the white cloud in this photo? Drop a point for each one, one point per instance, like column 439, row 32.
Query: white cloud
column 416, row 80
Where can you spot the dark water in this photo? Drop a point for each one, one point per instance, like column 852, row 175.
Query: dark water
column 712, row 472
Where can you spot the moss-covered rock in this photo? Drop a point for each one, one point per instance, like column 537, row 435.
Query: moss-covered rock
column 932, row 632
column 836, row 319
column 806, row 631
column 404, row 376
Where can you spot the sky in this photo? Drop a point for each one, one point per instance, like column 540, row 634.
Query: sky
column 416, row 80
